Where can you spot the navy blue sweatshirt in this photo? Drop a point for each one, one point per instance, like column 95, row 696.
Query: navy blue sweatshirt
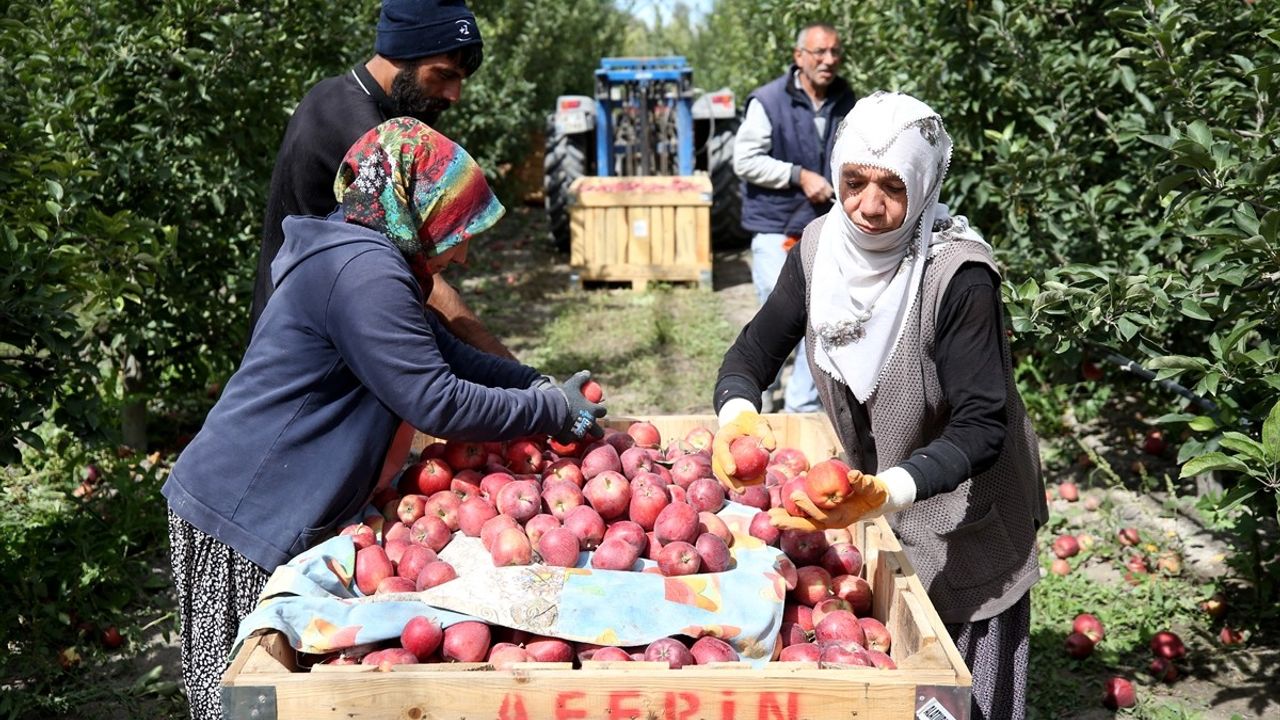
column 343, row 351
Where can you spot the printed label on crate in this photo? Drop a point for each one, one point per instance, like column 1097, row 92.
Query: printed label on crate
column 674, row 704
column 933, row 710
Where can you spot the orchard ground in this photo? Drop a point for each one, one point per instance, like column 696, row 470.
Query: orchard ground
column 657, row 352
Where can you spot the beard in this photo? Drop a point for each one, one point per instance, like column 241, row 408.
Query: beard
column 408, row 99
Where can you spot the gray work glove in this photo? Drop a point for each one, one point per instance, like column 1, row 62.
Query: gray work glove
column 583, row 413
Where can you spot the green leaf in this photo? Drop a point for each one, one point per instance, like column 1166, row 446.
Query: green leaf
column 1049, row 125
column 1269, row 226
column 1200, row 133
column 1271, row 434
column 1180, row 362
column 1193, row 309
column 54, row 189
column 1163, row 141
column 1213, row 461
column 1210, row 257
column 1168, row 183
column 1237, row 495
column 1202, row 423
column 1243, row 444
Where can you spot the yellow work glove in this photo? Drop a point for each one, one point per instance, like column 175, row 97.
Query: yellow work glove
column 745, row 422
column 869, row 497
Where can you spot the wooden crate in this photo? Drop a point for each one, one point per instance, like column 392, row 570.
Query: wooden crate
column 640, row 229
column 265, row 682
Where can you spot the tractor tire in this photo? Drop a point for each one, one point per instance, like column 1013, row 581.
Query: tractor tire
column 726, row 188
column 565, row 161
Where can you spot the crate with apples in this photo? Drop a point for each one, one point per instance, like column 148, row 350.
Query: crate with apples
column 859, row 635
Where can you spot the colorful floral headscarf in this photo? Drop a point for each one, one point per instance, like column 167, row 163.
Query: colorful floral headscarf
column 417, row 187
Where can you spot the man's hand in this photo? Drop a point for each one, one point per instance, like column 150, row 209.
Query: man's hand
column 583, row 413
column 746, row 423
column 816, row 188
column 869, row 497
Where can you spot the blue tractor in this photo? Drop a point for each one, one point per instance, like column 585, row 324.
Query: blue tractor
column 646, row 119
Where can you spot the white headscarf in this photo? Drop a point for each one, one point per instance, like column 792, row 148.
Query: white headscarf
column 864, row 285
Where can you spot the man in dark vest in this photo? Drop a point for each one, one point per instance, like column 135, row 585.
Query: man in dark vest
column 423, row 52
column 781, row 154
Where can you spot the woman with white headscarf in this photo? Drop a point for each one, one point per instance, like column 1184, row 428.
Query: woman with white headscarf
column 900, row 305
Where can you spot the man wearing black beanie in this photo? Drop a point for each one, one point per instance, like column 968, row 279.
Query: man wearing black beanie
column 423, row 52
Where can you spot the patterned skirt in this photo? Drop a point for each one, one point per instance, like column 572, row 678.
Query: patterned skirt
column 997, row 651
column 217, row 587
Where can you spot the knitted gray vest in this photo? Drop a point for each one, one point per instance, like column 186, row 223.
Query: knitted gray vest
column 974, row 548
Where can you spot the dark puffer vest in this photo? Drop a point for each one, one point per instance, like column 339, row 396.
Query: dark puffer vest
column 791, row 114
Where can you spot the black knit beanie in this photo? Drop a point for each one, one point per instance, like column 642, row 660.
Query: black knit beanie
column 409, row 29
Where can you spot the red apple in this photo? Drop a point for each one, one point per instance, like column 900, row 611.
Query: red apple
column 805, row 547
column 792, row 460
column 708, row 649
column 567, row 469
column 669, row 650
column 709, row 522
column 503, row 655
column 611, row 654
column 878, row 637
column 793, row 634
column 839, row 626
column 854, row 589
column 699, row 438
column 493, row 526
column 466, row 487
column 372, row 567
column 676, row 522
column 539, row 525
column 561, row 496
column 687, row 468
column 1089, row 625
column 615, row 553
column 362, row 536
column 1065, row 546
column 559, row 548
column 1059, row 567
column 714, row 553
column 524, row 456
column 764, row 530
column 842, row 558
column 749, row 457
column 492, row 483
column 548, row 649
column 835, row 654
column 1153, row 443
column 1230, row 636
column 1118, row 693
column 636, row 460
column 828, row 605
column 645, row 434
column 111, row 637
column 1079, row 645
column 806, row 652
column 520, row 499
column 602, row 457
column 827, row 483
column 434, row 573
column 431, row 531
column 414, row 558
column 1163, row 670
column 592, row 391
column 629, row 531
column 609, row 493
column 1068, row 491
column 801, row 615
column 1167, row 645
column 679, row 558
column 881, row 660
column 473, row 513
column 584, row 522
column 464, row 455
column 427, row 477
column 756, row 496
column 466, row 642
column 705, row 494
column 511, row 547
column 812, row 584
column 387, row 657
column 411, row 508
column 444, row 505
column 394, row 584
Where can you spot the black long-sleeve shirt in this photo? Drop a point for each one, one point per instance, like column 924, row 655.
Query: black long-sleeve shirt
column 968, row 356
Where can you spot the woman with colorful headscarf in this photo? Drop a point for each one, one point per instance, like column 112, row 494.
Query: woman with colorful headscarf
column 342, row 352
column 900, row 305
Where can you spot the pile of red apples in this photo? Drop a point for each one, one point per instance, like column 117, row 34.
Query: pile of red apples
column 624, row 498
